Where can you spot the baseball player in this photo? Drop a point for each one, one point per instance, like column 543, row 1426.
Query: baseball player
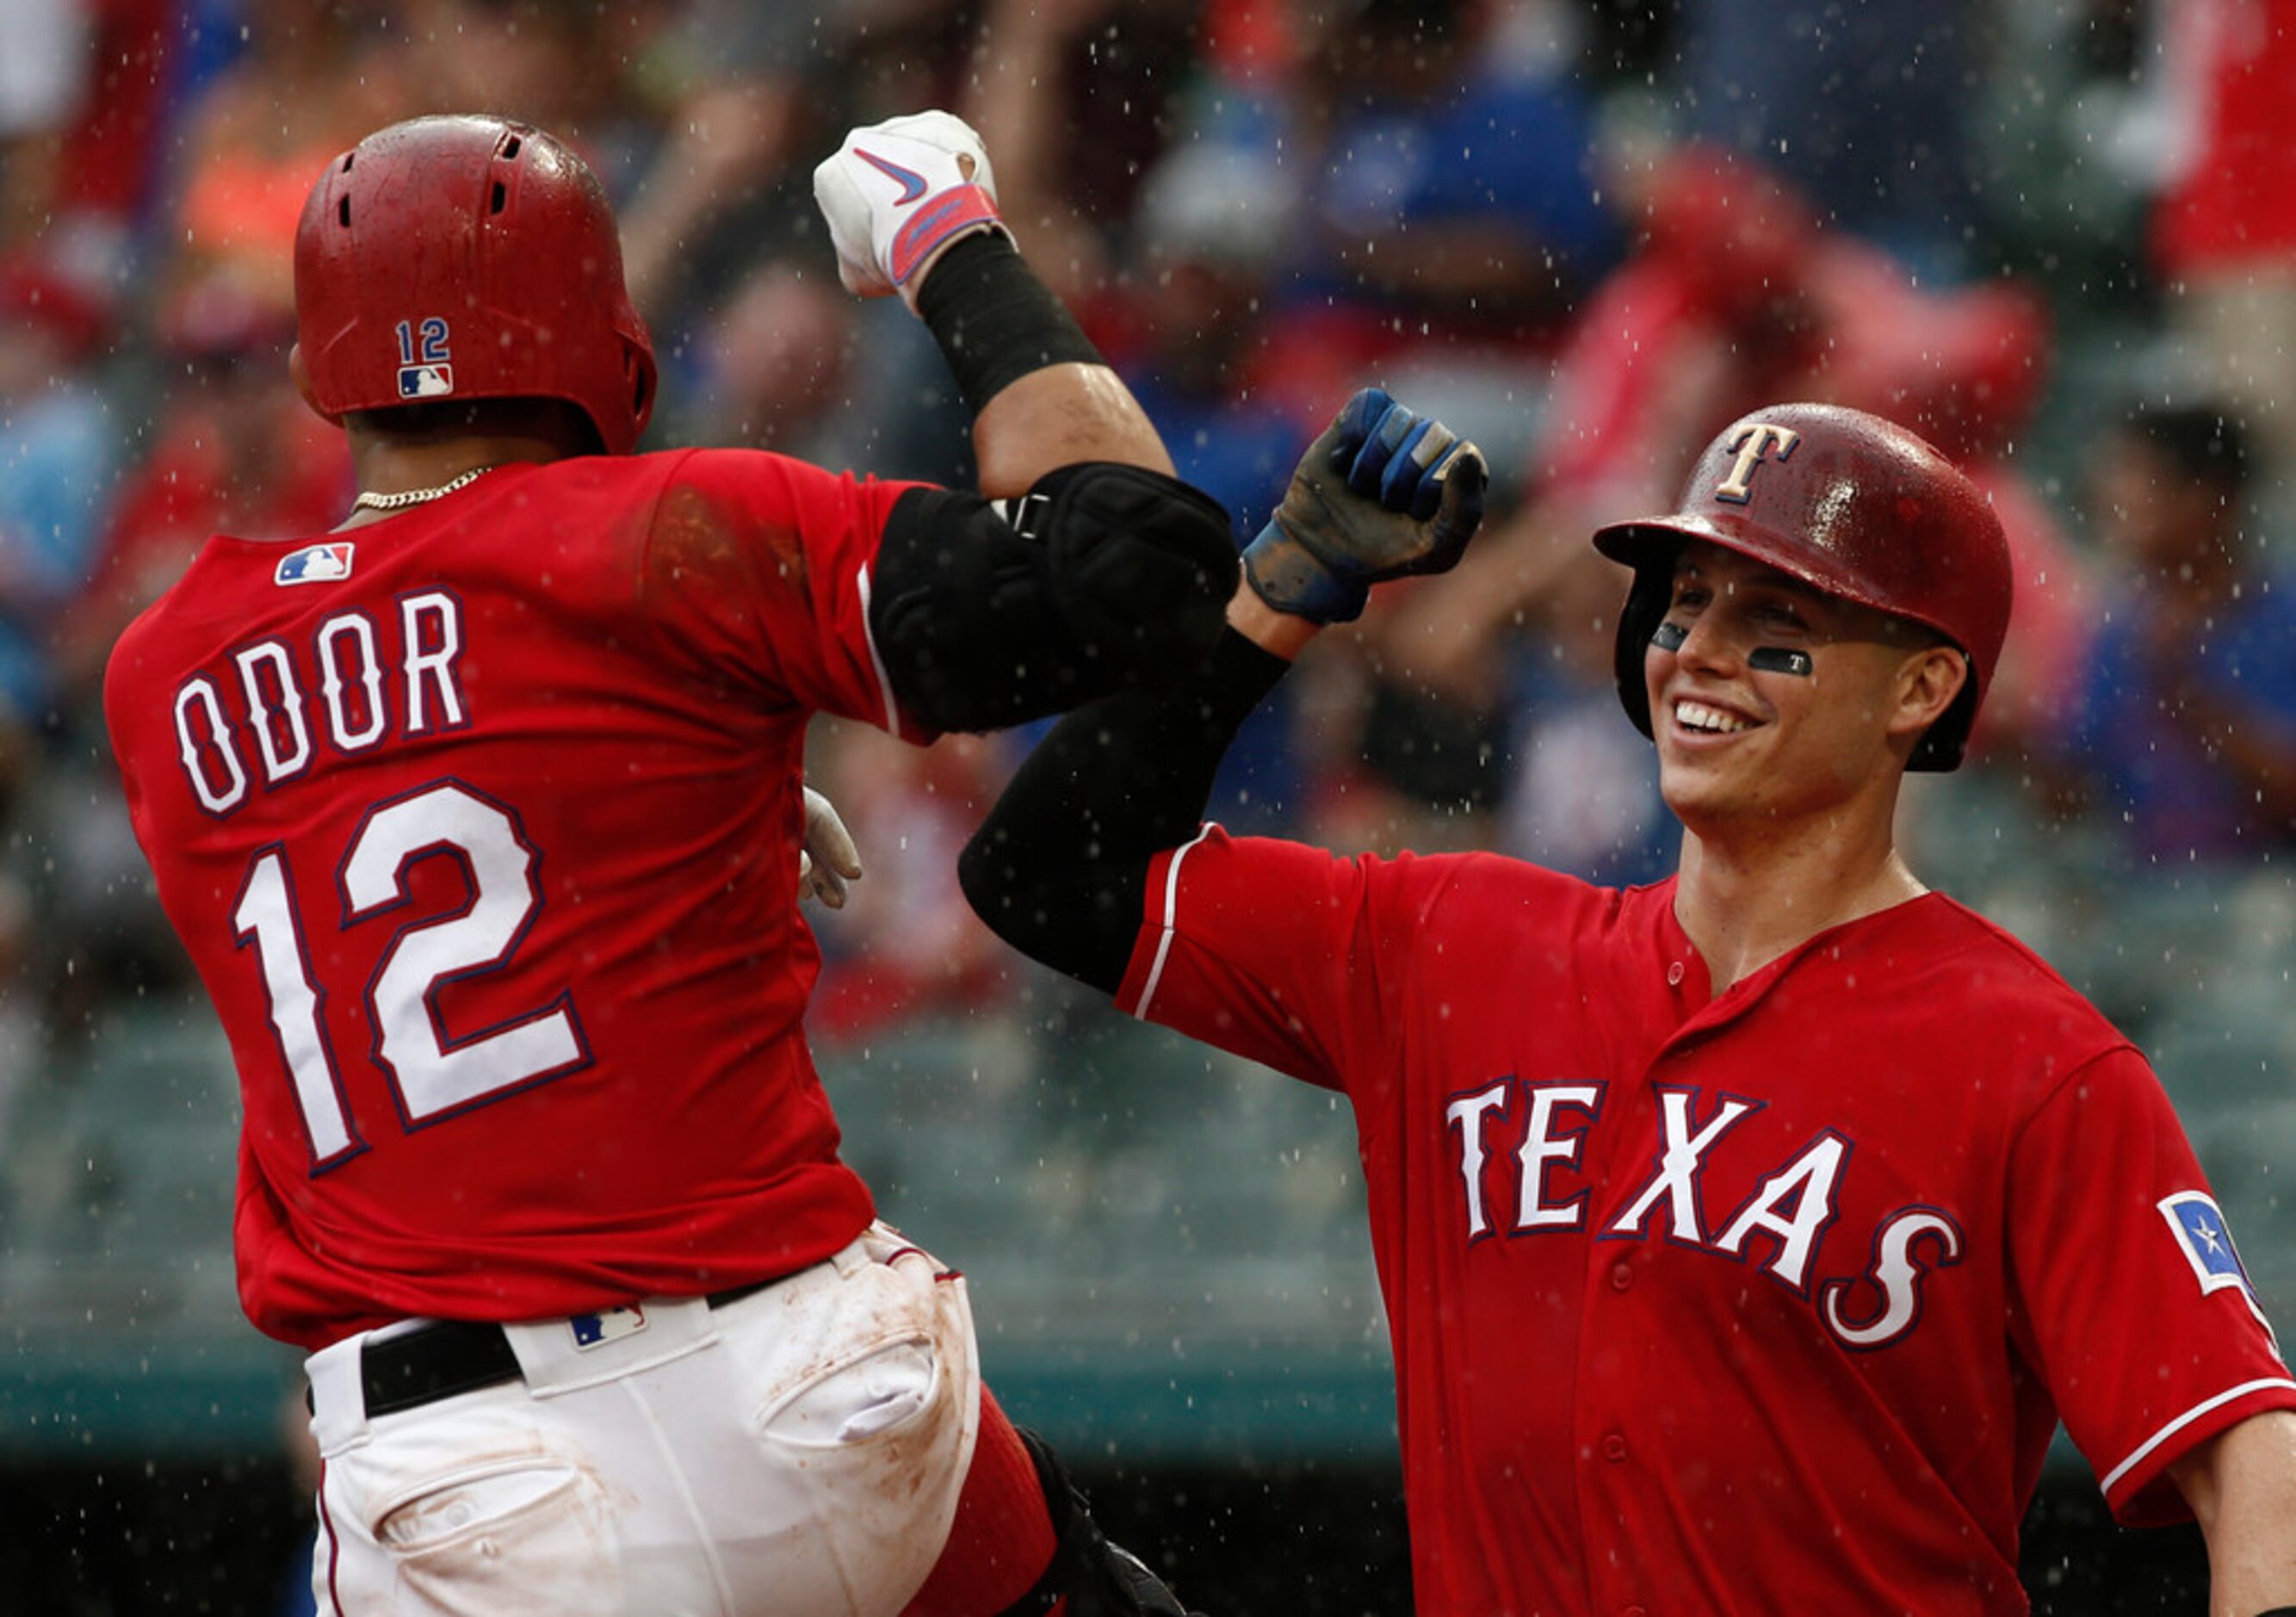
column 481, row 816
column 1744, row 1237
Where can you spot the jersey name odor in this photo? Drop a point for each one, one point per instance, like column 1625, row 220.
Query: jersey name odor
column 278, row 707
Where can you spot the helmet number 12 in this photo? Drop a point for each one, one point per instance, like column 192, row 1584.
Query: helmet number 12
column 432, row 1077
column 423, row 372
column 433, row 333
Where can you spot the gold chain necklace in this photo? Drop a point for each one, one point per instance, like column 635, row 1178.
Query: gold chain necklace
column 370, row 501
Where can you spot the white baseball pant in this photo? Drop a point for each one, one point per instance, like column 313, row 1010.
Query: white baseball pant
column 799, row 1451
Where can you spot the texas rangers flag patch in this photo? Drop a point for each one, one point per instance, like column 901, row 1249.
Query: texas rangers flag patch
column 596, row 1330
column 314, row 563
column 2204, row 1238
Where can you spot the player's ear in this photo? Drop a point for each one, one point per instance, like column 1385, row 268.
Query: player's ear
column 302, row 376
column 1928, row 680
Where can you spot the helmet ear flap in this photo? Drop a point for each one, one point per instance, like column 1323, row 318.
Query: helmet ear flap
column 1647, row 599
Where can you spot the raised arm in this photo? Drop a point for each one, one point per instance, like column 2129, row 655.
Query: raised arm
column 1060, row 868
column 912, row 208
column 1094, row 566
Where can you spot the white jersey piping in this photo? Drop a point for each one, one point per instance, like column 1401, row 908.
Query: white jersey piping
column 884, row 679
column 2186, row 1419
column 1171, row 902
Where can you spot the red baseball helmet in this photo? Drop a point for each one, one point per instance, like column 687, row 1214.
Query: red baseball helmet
column 1852, row 505
column 468, row 257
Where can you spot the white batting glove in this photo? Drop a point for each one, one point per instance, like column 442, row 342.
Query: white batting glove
column 897, row 193
column 828, row 860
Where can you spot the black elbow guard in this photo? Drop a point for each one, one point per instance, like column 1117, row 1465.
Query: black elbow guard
column 1104, row 574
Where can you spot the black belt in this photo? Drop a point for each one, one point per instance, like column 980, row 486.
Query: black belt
column 451, row 1355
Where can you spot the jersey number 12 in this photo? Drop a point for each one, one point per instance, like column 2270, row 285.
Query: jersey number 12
column 433, row 1079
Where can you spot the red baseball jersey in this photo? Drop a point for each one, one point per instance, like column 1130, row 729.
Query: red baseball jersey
column 1757, row 1302
column 481, row 826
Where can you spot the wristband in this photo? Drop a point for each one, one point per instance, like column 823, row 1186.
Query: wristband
column 935, row 221
column 995, row 321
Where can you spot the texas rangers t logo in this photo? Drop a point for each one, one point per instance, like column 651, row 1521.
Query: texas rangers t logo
column 1753, row 443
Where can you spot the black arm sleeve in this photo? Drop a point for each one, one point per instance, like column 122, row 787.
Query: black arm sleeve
column 1059, row 868
column 995, row 321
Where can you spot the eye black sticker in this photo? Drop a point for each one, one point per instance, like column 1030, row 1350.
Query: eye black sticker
column 1778, row 659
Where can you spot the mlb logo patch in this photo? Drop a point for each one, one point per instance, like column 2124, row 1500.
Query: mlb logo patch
column 425, row 380
column 596, row 1330
column 2202, row 1236
column 315, row 564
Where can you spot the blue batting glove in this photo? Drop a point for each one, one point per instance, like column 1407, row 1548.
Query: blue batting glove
column 1382, row 493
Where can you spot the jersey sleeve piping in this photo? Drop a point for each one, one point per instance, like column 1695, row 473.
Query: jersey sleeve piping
column 1168, row 923
column 2198, row 1411
column 877, row 659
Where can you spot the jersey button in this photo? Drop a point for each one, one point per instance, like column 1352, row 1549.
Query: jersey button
column 1614, row 1448
column 1675, row 972
column 1622, row 1276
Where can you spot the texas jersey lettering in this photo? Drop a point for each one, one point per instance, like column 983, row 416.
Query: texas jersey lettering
column 1516, row 1131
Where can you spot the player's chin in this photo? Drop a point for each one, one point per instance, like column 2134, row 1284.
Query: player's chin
column 1711, row 804
column 1713, row 770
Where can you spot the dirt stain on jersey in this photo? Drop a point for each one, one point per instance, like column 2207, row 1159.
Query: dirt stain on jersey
column 697, row 544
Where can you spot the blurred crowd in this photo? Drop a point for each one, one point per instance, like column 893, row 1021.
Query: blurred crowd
column 2058, row 237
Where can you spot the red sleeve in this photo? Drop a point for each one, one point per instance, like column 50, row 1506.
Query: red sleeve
column 767, row 563
column 2133, row 1301
column 1251, row 945
column 1283, row 953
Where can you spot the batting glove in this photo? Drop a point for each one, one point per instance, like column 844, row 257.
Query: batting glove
column 898, row 191
column 1384, row 492
column 828, row 860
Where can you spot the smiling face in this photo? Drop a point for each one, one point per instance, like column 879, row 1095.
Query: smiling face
column 1758, row 745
